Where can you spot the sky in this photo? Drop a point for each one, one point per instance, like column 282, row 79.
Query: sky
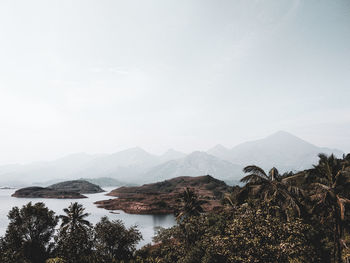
column 101, row 76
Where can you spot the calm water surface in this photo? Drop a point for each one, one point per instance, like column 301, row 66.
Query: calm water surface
column 147, row 224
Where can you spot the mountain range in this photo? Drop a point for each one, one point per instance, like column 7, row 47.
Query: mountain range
column 136, row 166
column 281, row 149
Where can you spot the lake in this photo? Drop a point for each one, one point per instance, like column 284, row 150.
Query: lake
column 147, row 224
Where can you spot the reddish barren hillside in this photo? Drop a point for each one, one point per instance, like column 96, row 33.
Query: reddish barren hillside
column 164, row 197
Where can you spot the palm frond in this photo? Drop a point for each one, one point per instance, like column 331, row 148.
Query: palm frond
column 256, row 170
column 252, row 178
column 294, row 177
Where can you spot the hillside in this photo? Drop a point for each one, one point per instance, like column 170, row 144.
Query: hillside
column 164, row 197
column 79, row 186
column 196, row 164
column 125, row 166
column 136, row 166
column 171, row 154
column 282, row 150
column 104, row 181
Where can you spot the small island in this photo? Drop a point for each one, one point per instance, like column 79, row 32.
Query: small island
column 164, row 197
column 65, row 190
column 80, row 186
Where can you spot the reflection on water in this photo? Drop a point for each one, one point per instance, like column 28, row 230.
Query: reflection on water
column 160, row 220
column 147, row 224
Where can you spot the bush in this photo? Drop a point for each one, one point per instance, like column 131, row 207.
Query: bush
column 243, row 235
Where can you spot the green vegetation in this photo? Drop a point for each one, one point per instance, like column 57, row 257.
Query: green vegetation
column 74, row 229
column 28, row 234
column 31, row 237
column 191, row 206
column 291, row 218
column 114, row 242
column 243, row 234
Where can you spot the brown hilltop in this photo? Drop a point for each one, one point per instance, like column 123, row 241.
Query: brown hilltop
column 164, row 197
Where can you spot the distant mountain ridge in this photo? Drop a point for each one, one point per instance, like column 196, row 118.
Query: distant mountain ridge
column 196, row 164
column 281, row 149
column 136, row 166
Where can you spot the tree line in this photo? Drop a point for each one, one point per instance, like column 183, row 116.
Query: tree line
column 291, row 217
column 32, row 236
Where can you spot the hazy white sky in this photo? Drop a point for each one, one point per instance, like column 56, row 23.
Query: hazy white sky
column 101, row 76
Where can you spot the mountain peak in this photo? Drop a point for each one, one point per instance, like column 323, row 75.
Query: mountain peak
column 134, row 150
column 137, row 149
column 218, row 147
column 219, row 151
column 283, row 137
column 282, row 134
column 170, row 151
column 281, row 149
column 171, row 154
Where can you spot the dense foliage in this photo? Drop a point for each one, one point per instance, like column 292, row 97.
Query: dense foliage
column 291, row 218
column 28, row 234
column 114, row 242
column 243, row 234
column 31, row 237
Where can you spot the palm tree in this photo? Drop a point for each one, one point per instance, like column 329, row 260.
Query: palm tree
column 191, row 205
column 74, row 218
column 331, row 180
column 273, row 188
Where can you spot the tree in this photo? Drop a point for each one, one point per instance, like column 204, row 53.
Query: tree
column 253, row 235
column 113, row 241
column 271, row 188
column 29, row 233
column 331, row 183
column 191, row 205
column 245, row 234
column 74, row 218
column 75, row 236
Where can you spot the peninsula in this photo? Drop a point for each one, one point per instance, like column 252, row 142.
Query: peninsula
column 164, row 197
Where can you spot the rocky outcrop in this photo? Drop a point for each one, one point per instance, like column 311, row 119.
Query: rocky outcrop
column 164, row 197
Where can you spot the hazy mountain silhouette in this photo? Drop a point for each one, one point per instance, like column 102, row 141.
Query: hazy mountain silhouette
column 220, row 152
column 196, row 164
column 134, row 166
column 126, row 164
column 281, row 149
column 171, row 154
